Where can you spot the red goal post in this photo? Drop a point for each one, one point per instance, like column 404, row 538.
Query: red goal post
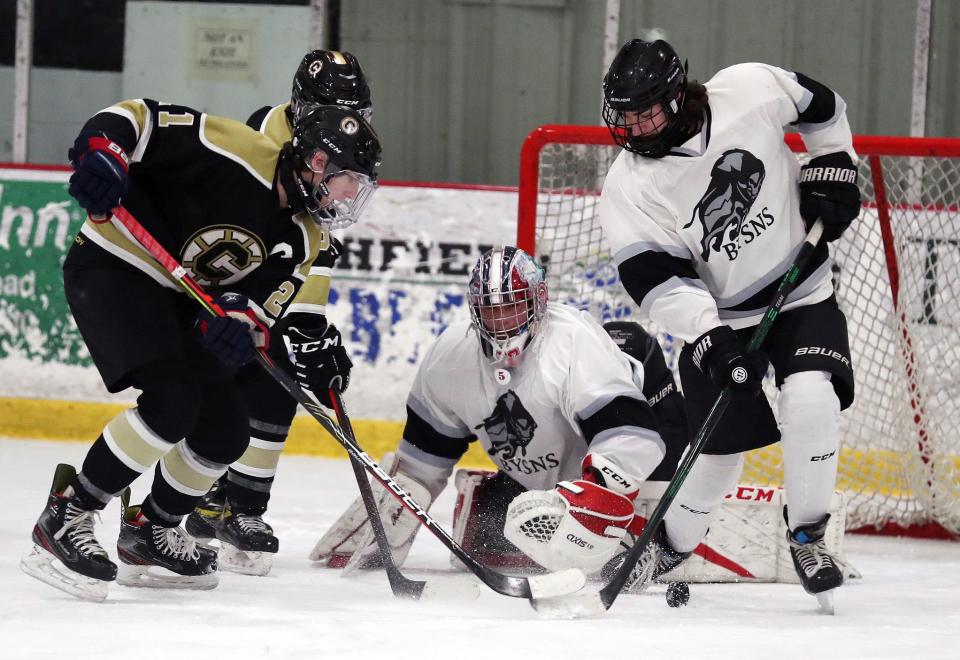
column 897, row 272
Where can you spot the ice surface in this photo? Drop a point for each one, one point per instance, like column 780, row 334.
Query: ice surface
column 907, row 605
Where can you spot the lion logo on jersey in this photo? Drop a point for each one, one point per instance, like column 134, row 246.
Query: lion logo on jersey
column 509, row 426
column 735, row 182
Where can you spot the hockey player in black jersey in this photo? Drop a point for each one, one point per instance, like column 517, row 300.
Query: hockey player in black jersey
column 232, row 204
column 233, row 510
column 704, row 210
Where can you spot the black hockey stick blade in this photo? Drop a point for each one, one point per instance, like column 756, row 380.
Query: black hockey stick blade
column 534, row 587
column 401, row 585
column 587, row 604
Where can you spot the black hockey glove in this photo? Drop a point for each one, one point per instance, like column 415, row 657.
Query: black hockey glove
column 319, row 359
column 100, row 172
column 719, row 354
column 828, row 190
column 233, row 338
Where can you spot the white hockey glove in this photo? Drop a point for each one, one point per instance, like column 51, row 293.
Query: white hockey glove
column 350, row 544
column 562, row 529
column 576, row 525
column 604, row 472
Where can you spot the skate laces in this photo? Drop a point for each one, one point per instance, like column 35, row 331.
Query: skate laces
column 174, row 541
column 642, row 573
column 812, row 555
column 78, row 526
column 251, row 523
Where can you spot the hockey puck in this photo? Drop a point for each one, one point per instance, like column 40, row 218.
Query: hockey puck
column 678, row 594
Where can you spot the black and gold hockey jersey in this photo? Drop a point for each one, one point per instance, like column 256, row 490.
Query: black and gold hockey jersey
column 274, row 122
column 204, row 187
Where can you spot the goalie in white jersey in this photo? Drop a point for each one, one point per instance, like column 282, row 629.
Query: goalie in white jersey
column 556, row 405
column 703, row 214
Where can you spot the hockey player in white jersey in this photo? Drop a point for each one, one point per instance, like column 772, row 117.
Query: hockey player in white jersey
column 704, row 211
column 556, row 405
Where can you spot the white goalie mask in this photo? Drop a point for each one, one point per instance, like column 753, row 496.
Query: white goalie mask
column 508, row 299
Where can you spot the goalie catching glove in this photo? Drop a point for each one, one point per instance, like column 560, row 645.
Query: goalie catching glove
column 578, row 524
column 349, row 543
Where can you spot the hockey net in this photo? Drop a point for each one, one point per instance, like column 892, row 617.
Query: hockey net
column 897, row 273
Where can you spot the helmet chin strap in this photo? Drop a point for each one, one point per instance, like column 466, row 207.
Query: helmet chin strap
column 288, row 178
column 299, row 197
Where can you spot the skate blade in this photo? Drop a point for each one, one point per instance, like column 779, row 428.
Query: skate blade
column 825, row 601
column 157, row 577
column 244, row 562
column 40, row 564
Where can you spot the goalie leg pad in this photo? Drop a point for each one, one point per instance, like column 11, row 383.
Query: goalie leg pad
column 479, row 515
column 350, row 539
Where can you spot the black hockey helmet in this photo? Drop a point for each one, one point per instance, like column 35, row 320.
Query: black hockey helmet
column 339, row 145
column 329, row 77
column 642, row 75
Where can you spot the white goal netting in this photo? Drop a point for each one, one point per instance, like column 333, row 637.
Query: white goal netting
column 897, row 272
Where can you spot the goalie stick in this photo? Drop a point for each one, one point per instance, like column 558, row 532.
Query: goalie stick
column 595, row 603
column 533, row 588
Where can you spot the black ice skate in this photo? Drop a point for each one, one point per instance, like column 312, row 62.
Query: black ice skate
column 64, row 533
column 161, row 557
column 203, row 521
column 818, row 570
column 657, row 559
column 247, row 543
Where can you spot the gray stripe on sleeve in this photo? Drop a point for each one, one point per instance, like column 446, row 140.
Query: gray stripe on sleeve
column 411, row 451
column 840, row 107
column 598, row 404
column 645, row 433
column 634, row 249
column 673, row 284
column 452, row 431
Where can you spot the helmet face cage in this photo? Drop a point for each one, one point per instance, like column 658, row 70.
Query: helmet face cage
column 329, row 77
column 343, row 151
column 508, row 299
column 643, row 95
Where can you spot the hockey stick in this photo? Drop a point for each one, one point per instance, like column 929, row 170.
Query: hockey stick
column 532, row 588
column 594, row 603
column 399, row 583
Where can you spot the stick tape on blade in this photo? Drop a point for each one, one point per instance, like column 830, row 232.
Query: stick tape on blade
column 556, row 584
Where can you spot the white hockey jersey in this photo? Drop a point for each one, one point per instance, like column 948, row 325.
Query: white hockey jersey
column 703, row 235
column 573, row 389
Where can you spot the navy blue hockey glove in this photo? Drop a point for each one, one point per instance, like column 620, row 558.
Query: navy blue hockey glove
column 319, row 359
column 828, row 190
column 719, row 354
column 100, row 172
column 233, row 338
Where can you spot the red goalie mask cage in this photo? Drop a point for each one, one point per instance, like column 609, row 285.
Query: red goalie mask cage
column 897, row 273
